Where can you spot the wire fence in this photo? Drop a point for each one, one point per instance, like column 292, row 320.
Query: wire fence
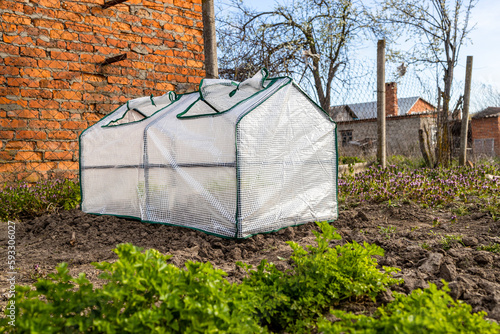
column 411, row 110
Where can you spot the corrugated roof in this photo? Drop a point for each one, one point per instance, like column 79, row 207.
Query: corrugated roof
column 368, row 110
column 488, row 112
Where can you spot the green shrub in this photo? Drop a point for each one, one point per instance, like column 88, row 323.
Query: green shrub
column 321, row 276
column 143, row 294
column 25, row 200
column 350, row 160
column 423, row 311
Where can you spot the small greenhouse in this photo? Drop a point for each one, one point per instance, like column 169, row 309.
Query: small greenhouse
column 232, row 159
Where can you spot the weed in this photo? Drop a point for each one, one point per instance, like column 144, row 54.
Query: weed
column 387, row 231
column 492, row 247
column 30, row 200
column 448, row 240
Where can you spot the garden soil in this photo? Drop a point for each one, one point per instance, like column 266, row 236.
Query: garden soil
column 427, row 245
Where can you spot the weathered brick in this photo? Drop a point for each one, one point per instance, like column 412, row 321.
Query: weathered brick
column 48, row 3
column 11, row 5
column 6, row 134
column 56, row 145
column 53, row 114
column 4, row 91
column 23, row 113
column 29, row 134
column 92, row 58
column 58, row 55
column 12, row 123
column 75, row 46
column 35, row 73
column 67, row 95
column 28, row 156
column 71, row 105
column 68, row 16
column 41, row 124
column 10, row 49
column 52, row 64
column 37, row 93
column 68, row 165
column 75, row 7
column 16, row 19
column 6, row 156
column 20, row 145
column 142, row 30
column 20, row 61
column 62, row 34
column 183, row 4
column 65, row 75
column 22, row 82
column 118, row 80
column 56, row 84
column 64, row 134
column 97, row 21
column 6, row 100
column 52, row 24
column 44, row 104
column 55, row 156
column 41, row 166
column 116, row 43
column 120, row 26
column 74, row 125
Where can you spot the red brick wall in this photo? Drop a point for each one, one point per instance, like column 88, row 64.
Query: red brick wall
column 51, row 84
column 486, row 128
column 421, row 106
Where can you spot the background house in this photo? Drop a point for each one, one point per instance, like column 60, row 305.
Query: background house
column 486, row 132
column 357, row 124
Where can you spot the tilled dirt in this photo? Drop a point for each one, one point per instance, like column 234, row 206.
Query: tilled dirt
column 426, row 244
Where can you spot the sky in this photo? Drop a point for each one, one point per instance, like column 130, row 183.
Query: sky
column 484, row 45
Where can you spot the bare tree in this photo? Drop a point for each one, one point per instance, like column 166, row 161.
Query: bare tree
column 307, row 39
column 438, row 29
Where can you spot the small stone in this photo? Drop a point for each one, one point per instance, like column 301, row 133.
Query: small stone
column 456, row 289
column 448, row 272
column 469, row 241
column 432, row 263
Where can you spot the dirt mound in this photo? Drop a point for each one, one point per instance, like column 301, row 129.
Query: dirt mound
column 427, row 245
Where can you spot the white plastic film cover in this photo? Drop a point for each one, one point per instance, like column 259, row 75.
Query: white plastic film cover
column 232, row 160
column 287, row 164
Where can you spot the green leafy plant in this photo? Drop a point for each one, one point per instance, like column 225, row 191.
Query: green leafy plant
column 25, row 200
column 387, row 231
column 321, row 276
column 423, row 311
column 492, row 247
column 350, row 160
column 448, row 240
column 143, row 294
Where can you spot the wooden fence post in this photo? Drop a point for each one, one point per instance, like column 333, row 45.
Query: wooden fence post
column 465, row 113
column 381, row 133
column 209, row 39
